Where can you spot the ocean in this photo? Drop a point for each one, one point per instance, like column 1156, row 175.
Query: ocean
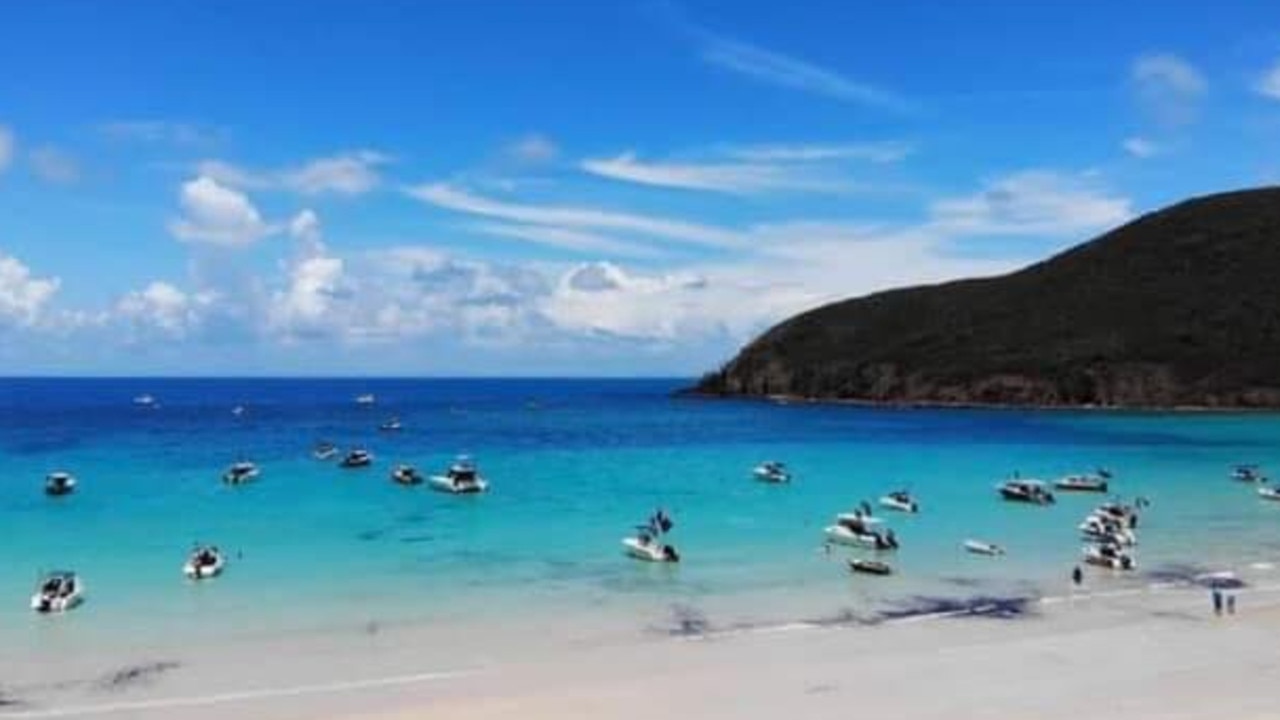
column 573, row 465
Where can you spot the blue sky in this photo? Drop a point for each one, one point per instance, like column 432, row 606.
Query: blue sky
column 575, row 188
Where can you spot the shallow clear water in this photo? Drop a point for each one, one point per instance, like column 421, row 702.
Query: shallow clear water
column 573, row 465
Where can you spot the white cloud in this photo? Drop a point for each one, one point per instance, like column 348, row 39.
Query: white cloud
column 163, row 308
column 726, row 177
column 878, row 152
column 452, row 198
column 789, row 72
column 160, row 131
column 533, row 149
column 1032, row 203
column 7, row 143
column 349, row 173
column 1269, row 84
column 305, row 228
column 23, row 297
column 54, row 165
column 578, row 241
column 218, row 215
column 304, row 306
column 1140, row 148
column 1169, row 87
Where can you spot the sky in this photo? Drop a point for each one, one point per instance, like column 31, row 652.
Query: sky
column 576, row 187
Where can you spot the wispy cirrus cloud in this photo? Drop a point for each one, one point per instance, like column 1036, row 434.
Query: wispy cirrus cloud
column 1140, row 147
column 161, row 131
column 54, row 165
column 888, row 151
column 775, row 68
column 1035, row 203
column 7, row 144
column 1268, row 85
column 741, row 178
column 578, row 241
column 347, row 173
column 1169, row 87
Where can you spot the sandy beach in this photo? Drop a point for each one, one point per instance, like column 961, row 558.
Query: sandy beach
column 1146, row 652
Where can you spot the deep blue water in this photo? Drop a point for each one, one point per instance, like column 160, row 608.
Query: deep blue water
column 573, row 464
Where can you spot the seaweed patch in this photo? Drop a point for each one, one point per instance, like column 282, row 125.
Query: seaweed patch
column 137, row 674
column 686, row 621
column 981, row 606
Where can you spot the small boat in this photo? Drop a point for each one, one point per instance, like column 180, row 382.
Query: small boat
column 1108, row 556
column 357, row 458
column 145, row 400
column 240, row 473
column 325, row 451
column 649, row 543
column 870, row 567
column 366, row 399
column 406, row 475
column 1126, row 515
column 462, row 478
column 980, row 547
column 1269, row 493
column 1107, row 529
column 391, row 425
column 58, row 591
column 901, row 501
column 1026, row 491
column 853, row 534
column 772, row 471
column 1247, row 473
column 1081, row 483
column 238, row 410
column 204, row 562
column 57, row 484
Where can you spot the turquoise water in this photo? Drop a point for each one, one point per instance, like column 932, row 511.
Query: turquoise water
column 573, row 465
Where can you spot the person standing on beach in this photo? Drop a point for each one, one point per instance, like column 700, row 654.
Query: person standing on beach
column 1217, row 602
column 1077, row 576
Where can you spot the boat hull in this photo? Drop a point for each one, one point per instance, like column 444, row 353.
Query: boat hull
column 978, row 547
column 649, row 552
column 204, row 572
column 444, row 484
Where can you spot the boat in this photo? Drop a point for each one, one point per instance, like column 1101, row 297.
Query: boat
column 772, row 471
column 980, row 547
column 1126, row 515
column 1026, row 491
column 391, row 425
column 406, row 475
column 58, row 591
column 1108, row 556
column 145, row 400
column 325, row 451
column 1247, row 473
column 240, row 473
column 853, row 533
column 57, row 484
column 649, row 542
column 870, row 567
column 366, row 399
column 357, row 458
column 462, row 478
column 1107, row 529
column 1269, row 493
column 901, row 501
column 237, row 410
column 1081, row 483
column 204, row 562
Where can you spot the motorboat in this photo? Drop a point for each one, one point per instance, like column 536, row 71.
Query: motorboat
column 980, row 547
column 145, row 400
column 325, row 451
column 205, row 562
column 406, row 475
column 1108, row 556
column 391, row 425
column 1082, row 483
column 649, row 542
column 901, row 501
column 1267, row 492
column 1026, row 491
column 57, row 484
column 357, row 458
column 1126, row 515
column 462, row 478
column 366, row 399
column 1107, row 529
column 870, row 567
column 1247, row 473
column 58, row 591
column 772, row 471
column 844, row 533
column 241, row 472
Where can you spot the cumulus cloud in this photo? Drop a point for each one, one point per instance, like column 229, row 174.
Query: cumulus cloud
column 163, row 308
column 23, row 297
column 349, row 173
column 54, row 165
column 7, row 143
column 1169, row 87
column 218, row 215
column 1269, row 84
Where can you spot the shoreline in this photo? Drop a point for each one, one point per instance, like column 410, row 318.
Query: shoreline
column 785, row 399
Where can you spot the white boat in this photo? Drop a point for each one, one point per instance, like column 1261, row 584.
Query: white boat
column 406, row 475
column 980, row 547
column 391, row 425
column 859, row 517
column 1108, row 556
column 1125, row 515
column 240, row 473
column 237, row 410
column 145, row 400
column 366, row 399
column 462, row 478
column 1026, row 491
column 843, row 534
column 1247, row 473
column 325, row 451
column 357, row 458
column 870, row 567
column 204, row 563
column 1107, row 529
column 1082, row 483
column 59, row 483
column 647, row 548
column 772, row 471
column 58, row 591
column 1269, row 493
column 900, row 501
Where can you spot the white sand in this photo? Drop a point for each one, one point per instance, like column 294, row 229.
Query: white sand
column 1145, row 655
